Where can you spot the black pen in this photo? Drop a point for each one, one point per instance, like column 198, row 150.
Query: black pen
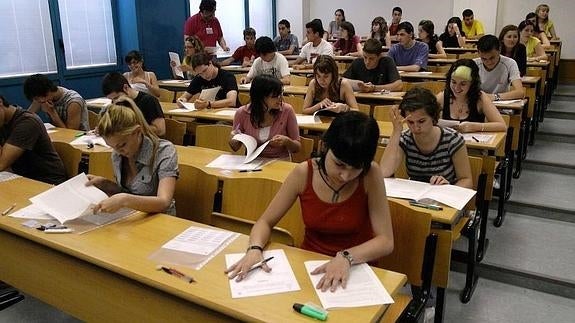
column 250, row 170
column 476, row 140
column 260, row 264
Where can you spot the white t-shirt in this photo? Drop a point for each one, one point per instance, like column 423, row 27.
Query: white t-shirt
column 277, row 67
column 498, row 79
column 310, row 53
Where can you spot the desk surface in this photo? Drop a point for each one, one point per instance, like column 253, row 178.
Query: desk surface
column 118, row 280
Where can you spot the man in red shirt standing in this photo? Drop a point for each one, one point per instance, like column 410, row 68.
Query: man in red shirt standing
column 206, row 27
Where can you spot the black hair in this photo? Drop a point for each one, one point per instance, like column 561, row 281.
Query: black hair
column 373, row 46
column 488, row 43
column 202, row 59
column 38, row 85
column 398, row 9
column 285, row 23
column 208, row 5
column 455, row 20
column 383, row 29
column 349, row 27
column 113, row 82
column 342, row 13
column 249, row 32
column 524, row 24
column 262, row 87
column 467, row 13
column 265, row 45
column 352, row 137
column 133, row 55
column 428, row 27
column 420, row 98
column 316, row 26
column 474, row 88
column 407, row 26
column 4, row 101
column 535, row 26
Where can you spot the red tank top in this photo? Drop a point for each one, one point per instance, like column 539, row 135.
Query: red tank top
column 331, row 227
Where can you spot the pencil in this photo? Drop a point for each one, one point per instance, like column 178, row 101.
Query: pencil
column 8, row 210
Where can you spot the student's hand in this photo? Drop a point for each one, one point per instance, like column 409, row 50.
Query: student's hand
column 466, row 126
column 226, row 49
column 365, row 87
column 455, row 28
column 299, row 67
column 111, row 204
column 48, row 107
column 279, row 141
column 338, row 107
column 97, row 181
column 325, row 104
column 172, row 64
column 243, row 80
column 240, row 269
column 396, row 119
column 336, row 273
column 201, row 104
column 180, row 102
column 438, row 180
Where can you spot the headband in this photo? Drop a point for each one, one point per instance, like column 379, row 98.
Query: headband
column 463, row 72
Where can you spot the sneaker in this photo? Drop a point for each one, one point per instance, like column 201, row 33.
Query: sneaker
column 496, row 182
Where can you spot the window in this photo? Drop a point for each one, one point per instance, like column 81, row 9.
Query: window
column 29, row 29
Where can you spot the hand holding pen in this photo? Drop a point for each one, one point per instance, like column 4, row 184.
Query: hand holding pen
column 247, row 264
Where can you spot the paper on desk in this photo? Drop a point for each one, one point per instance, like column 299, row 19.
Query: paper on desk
column 185, row 107
column 451, row 195
column 99, row 101
column 197, row 240
column 226, row 112
column 49, row 126
column 280, row 280
column 252, row 149
column 477, row 137
column 424, row 72
column 307, row 119
column 89, row 139
column 7, row 176
column 209, row 94
column 448, row 123
column 175, row 81
column 245, row 86
column 363, row 288
column 236, row 162
column 31, row 212
column 174, row 57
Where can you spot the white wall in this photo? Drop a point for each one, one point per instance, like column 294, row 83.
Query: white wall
column 493, row 13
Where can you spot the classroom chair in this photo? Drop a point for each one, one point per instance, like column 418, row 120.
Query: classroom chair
column 451, row 55
column 244, row 226
column 298, row 80
column 214, row 136
column 100, row 163
column 504, row 172
column 341, row 67
column 381, row 112
column 93, row 119
column 433, row 86
column 195, row 194
column 305, row 151
column 71, row 157
column 296, row 101
column 239, row 77
column 439, row 68
column 244, row 98
column 365, row 108
column 470, row 55
column 9, row 298
column 175, row 131
column 166, row 96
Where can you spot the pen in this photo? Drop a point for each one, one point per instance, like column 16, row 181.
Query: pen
column 426, row 206
column 80, row 134
column 260, row 264
column 176, row 273
column 8, row 210
column 250, row 170
column 476, row 140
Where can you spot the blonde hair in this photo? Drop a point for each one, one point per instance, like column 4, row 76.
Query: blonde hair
column 122, row 118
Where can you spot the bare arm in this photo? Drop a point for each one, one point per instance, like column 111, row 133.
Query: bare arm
column 393, row 154
column 348, row 95
column 223, row 44
column 158, row 126
column 517, row 91
column 462, row 168
column 440, row 51
column 539, row 54
column 8, row 155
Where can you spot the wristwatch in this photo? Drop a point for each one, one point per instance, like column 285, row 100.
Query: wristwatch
column 347, row 256
column 496, row 97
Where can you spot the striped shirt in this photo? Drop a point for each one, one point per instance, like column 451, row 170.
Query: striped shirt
column 421, row 167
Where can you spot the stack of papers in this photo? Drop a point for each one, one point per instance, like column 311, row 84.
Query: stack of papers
column 89, row 140
column 236, row 162
column 451, row 195
column 7, row 176
column 477, row 137
column 363, row 288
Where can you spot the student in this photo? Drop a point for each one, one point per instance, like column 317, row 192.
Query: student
column 64, row 108
column 246, row 53
column 115, row 85
column 327, row 91
column 453, row 36
column 536, row 31
column 269, row 62
column 343, row 202
column 395, row 20
column 348, row 43
column 316, row 46
column 145, row 167
column 266, row 117
column 463, row 100
column 26, row 148
column 498, row 72
column 432, row 154
column 209, row 75
column 545, row 24
column 472, row 27
column 206, row 27
column 409, row 54
column 192, row 45
column 286, row 42
column 375, row 72
column 139, row 79
column 535, row 51
column 512, row 48
column 334, row 28
column 426, row 33
column 380, row 31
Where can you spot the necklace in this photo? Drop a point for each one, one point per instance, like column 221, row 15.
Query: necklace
column 335, row 195
column 461, row 108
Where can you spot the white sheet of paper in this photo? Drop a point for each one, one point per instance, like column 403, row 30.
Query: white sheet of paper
column 190, row 106
column 236, row 162
column 175, row 81
column 451, row 195
column 181, row 110
column 31, row 212
column 174, row 57
column 228, row 112
column 201, row 241
column 280, row 280
column 49, row 126
column 100, row 101
column 252, row 149
column 307, row 119
column 209, row 94
column 448, row 123
column 89, row 139
column 245, row 86
column 479, row 137
column 7, row 176
column 363, row 288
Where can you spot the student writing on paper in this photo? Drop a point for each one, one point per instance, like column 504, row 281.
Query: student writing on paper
column 343, row 202
column 145, row 167
column 192, row 45
column 432, row 154
column 64, row 108
column 409, row 55
column 266, row 117
column 327, row 91
column 463, row 101
column 141, row 80
column 25, row 146
column 210, row 75
column 114, row 85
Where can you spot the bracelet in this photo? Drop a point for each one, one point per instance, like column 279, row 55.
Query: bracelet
column 255, row 247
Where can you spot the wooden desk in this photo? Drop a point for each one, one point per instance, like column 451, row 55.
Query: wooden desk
column 422, row 76
column 105, row 275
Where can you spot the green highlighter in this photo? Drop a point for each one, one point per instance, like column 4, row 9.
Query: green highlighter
column 310, row 311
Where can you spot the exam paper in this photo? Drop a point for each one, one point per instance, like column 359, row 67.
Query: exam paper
column 307, row 119
column 227, row 112
column 209, row 94
column 451, row 195
column 174, row 57
column 236, row 162
column 477, row 137
column 100, row 101
column 31, row 212
column 363, row 288
column 280, row 280
column 201, row 241
column 7, row 176
column 89, row 139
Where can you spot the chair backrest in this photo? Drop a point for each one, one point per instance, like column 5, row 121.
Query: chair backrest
column 451, row 55
column 341, row 67
column 100, row 163
column 439, row 68
column 70, row 156
column 381, row 112
column 248, row 197
column 365, row 108
column 244, row 98
column 93, row 119
column 239, row 77
column 296, row 101
column 297, row 80
column 305, row 151
column 194, row 194
column 470, row 55
column 175, row 131
column 214, row 136
column 244, row 226
column 433, row 86
column 166, row 95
